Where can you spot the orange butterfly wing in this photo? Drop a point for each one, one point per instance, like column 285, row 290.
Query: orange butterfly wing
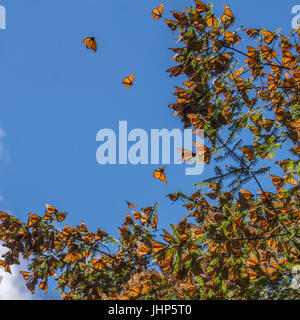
column 157, row 12
column 268, row 36
column 227, row 17
column 128, row 82
column 200, row 6
column 160, row 174
column 130, row 205
column 90, row 43
column 210, row 20
column 187, row 155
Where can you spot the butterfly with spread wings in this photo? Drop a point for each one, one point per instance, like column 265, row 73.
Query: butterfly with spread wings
column 128, row 82
column 187, row 155
column 90, row 43
column 160, row 175
column 130, row 205
column 158, row 12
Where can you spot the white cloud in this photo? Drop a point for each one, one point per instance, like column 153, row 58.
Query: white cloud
column 12, row 286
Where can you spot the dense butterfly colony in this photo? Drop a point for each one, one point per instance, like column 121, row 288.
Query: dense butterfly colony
column 232, row 243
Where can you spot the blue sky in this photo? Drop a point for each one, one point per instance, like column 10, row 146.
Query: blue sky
column 56, row 95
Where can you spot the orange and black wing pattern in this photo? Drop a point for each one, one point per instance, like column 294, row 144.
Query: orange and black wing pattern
column 90, row 43
column 158, row 12
column 128, row 82
column 187, row 155
column 160, row 175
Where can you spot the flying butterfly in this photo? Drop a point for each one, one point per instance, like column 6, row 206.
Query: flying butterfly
column 130, row 205
column 128, row 82
column 158, row 12
column 187, row 155
column 90, row 43
column 160, row 174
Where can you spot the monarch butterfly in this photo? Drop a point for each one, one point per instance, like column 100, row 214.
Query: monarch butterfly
column 252, row 261
column 5, row 266
column 246, row 194
column 142, row 248
column 203, row 152
column 33, row 219
column 90, row 43
column 288, row 60
column 227, row 18
column 4, row 216
column 210, row 20
column 231, row 38
column 200, row 6
column 248, row 153
column 43, row 286
column 26, row 275
column 157, row 246
column 268, row 36
column 157, row 12
column 130, row 205
column 268, row 124
column 61, row 216
column 277, row 181
column 168, row 237
column 160, row 174
column 252, row 32
column 128, row 82
column 187, row 155
column 267, row 53
column 50, row 209
column 173, row 196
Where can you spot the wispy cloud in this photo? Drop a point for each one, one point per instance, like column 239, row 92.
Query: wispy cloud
column 3, row 151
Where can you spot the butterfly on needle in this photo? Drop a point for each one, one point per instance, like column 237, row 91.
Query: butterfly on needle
column 128, row 82
column 160, row 174
column 158, row 12
column 90, row 43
